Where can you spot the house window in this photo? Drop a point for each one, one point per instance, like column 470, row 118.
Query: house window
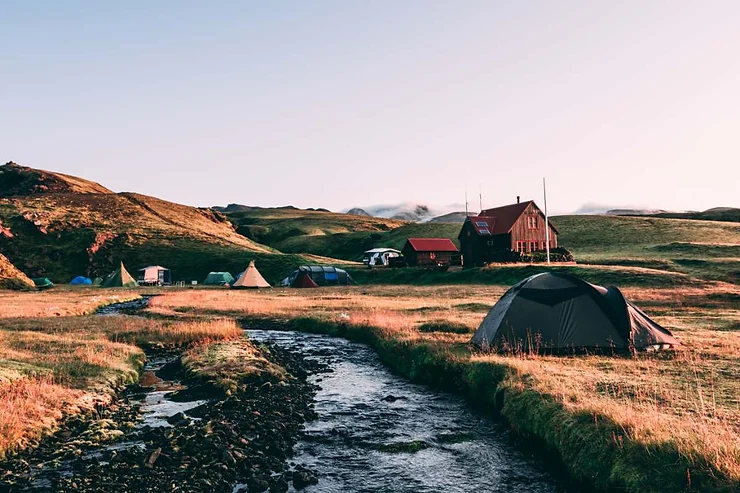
column 532, row 221
column 532, row 246
column 481, row 223
column 484, row 231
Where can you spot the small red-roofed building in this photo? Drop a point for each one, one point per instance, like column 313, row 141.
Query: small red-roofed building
column 430, row 252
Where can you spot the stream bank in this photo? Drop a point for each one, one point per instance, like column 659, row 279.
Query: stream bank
column 177, row 430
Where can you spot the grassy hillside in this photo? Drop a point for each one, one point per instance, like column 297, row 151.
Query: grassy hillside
column 705, row 249
column 727, row 214
column 306, row 231
column 11, row 277
column 72, row 227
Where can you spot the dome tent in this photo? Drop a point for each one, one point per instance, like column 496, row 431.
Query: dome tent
column 250, row 278
column 320, row 275
column 43, row 282
column 554, row 312
column 218, row 279
column 81, row 280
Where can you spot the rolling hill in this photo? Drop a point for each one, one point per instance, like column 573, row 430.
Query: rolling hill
column 705, row 249
column 60, row 226
column 11, row 277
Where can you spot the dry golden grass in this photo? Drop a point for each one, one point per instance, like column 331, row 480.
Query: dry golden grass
column 53, row 366
column 60, row 301
column 690, row 397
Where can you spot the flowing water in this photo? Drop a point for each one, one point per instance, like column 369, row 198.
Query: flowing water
column 378, row 432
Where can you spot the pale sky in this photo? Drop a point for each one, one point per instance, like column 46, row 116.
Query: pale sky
column 350, row 103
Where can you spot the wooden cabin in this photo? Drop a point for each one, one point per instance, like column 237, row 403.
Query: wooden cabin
column 430, row 252
column 493, row 234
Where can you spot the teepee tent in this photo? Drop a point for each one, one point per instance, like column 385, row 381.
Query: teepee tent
column 251, row 278
column 218, row 279
column 554, row 312
column 119, row 278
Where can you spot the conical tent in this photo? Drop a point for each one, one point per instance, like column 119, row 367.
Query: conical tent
column 218, row 279
column 81, row 280
column 554, row 312
column 119, row 278
column 303, row 280
column 251, row 278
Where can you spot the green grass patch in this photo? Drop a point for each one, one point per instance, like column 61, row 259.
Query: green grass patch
column 445, row 326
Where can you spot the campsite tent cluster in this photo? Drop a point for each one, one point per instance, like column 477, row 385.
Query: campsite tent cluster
column 306, row 276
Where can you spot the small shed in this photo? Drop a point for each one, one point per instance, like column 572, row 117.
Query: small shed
column 155, row 275
column 431, row 252
column 379, row 256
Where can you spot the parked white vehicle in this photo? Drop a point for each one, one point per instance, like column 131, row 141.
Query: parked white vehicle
column 379, row 256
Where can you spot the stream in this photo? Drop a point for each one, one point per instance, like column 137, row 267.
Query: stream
column 364, row 430
column 378, row 432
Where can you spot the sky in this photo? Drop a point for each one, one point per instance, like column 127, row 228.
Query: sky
column 347, row 103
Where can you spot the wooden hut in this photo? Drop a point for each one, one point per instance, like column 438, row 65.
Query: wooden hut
column 489, row 236
column 430, row 252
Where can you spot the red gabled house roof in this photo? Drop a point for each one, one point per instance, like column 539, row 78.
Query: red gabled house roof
column 432, row 245
column 500, row 220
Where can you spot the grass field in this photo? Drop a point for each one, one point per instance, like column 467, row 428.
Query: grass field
column 652, row 422
column 55, row 360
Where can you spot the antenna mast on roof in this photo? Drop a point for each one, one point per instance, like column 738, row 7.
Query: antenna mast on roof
column 547, row 225
column 466, row 201
column 480, row 197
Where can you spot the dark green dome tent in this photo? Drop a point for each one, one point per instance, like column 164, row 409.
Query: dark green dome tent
column 218, row 279
column 559, row 313
column 321, row 275
column 97, row 281
column 119, row 278
column 42, row 282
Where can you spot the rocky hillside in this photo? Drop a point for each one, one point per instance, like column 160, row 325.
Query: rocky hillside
column 60, row 226
column 11, row 277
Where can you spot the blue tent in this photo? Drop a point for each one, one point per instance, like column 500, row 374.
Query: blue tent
column 81, row 280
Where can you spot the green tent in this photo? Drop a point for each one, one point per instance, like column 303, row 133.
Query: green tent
column 42, row 282
column 218, row 279
column 119, row 278
column 97, row 281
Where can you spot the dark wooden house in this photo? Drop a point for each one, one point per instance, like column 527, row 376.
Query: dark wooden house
column 492, row 235
column 430, row 252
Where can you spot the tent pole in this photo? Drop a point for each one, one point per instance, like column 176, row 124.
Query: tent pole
column 547, row 224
